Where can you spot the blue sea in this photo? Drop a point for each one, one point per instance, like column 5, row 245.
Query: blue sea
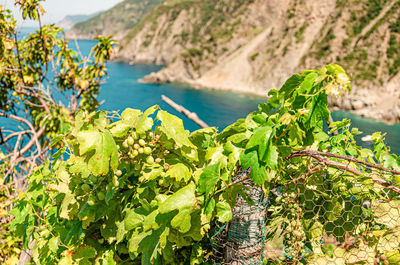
column 122, row 90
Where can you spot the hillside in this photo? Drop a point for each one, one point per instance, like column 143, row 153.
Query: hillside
column 69, row 21
column 253, row 45
column 116, row 21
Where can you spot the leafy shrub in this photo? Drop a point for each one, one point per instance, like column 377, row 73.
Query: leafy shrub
column 34, row 70
column 138, row 189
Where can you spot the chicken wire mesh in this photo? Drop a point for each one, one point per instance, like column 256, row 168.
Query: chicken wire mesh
column 241, row 241
column 330, row 218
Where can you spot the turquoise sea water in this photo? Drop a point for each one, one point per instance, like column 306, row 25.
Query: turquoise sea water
column 368, row 127
column 122, row 90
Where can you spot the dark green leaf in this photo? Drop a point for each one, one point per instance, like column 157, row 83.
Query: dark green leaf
column 258, row 174
column 291, row 84
column 85, row 252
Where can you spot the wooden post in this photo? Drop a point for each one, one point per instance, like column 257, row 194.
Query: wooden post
column 191, row 115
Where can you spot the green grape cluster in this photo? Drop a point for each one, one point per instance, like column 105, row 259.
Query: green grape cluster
column 294, row 234
column 142, row 147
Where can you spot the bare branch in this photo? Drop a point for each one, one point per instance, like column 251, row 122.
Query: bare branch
column 312, row 152
column 15, row 134
column 36, row 135
column 321, row 157
column 191, row 115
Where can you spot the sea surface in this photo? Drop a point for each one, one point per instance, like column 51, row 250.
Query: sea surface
column 122, row 90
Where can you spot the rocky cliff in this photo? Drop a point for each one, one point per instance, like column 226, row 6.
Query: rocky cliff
column 116, row 21
column 254, row 45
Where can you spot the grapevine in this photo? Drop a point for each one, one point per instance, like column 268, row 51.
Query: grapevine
column 138, row 188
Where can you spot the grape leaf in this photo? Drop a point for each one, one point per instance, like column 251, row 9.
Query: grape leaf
column 209, row 178
column 172, row 126
column 233, row 129
column 258, row 173
column 319, row 110
column 148, row 243
column 100, row 120
column 129, row 118
column 181, row 221
column 121, row 231
column 144, row 123
column 130, row 115
column 108, row 258
column 85, row 252
column 120, row 128
column 291, row 84
column 133, row 219
column 53, row 244
column 224, row 212
column 215, row 155
column 267, row 152
column 307, row 84
column 183, row 198
column 88, row 140
column 105, row 155
column 204, row 137
column 65, row 208
column 78, row 166
column 179, row 172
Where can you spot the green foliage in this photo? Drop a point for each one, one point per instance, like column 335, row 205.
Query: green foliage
column 26, row 84
column 31, row 9
column 394, row 46
column 132, row 209
column 299, row 33
column 137, row 188
column 123, row 16
column 193, row 52
column 33, row 56
column 371, row 10
column 27, row 89
column 10, row 246
column 254, row 56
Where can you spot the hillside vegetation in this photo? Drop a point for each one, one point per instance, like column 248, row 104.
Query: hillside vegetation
column 252, row 46
column 115, row 21
column 69, row 21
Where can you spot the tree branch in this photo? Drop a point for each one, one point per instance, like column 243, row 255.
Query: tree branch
column 191, row 115
column 318, row 153
column 321, row 157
